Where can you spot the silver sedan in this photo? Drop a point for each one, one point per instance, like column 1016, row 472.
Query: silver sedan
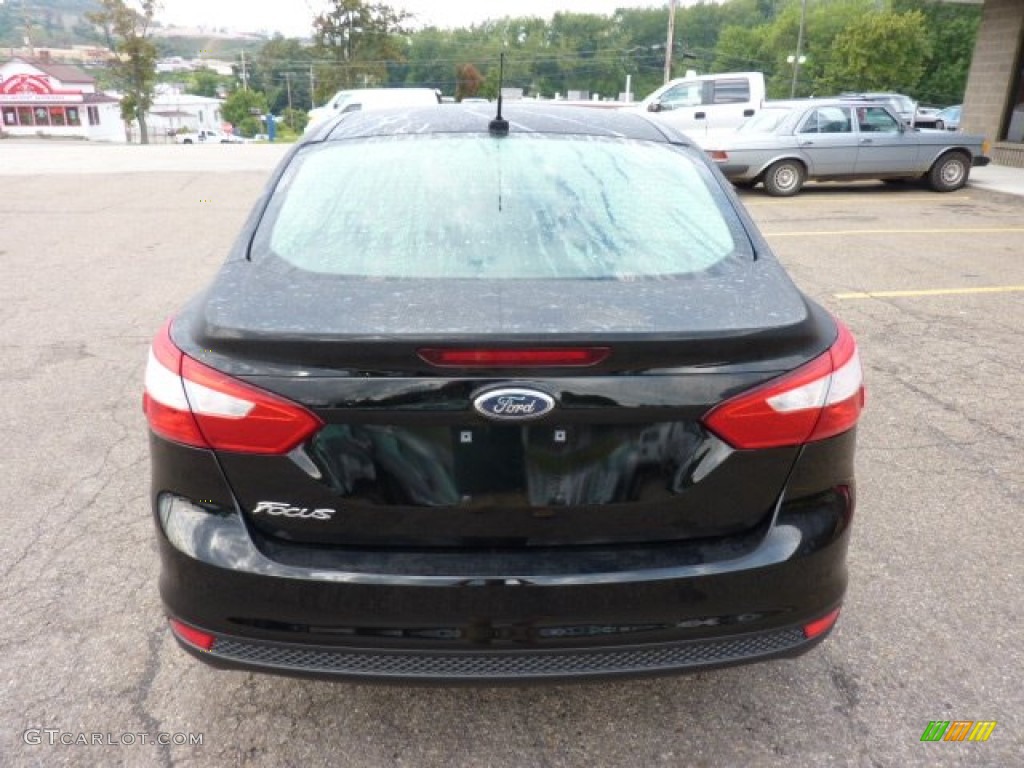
column 787, row 144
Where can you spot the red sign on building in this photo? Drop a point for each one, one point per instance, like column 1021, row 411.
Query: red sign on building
column 30, row 88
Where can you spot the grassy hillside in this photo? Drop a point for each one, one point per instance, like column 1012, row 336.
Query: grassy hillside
column 62, row 23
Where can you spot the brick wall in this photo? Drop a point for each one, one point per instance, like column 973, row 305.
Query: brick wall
column 994, row 69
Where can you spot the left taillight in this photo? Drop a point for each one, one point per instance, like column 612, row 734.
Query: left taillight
column 195, row 637
column 191, row 403
column 816, row 401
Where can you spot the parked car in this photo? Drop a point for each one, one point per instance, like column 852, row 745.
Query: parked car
column 925, row 117
column 702, row 106
column 372, row 98
column 556, row 412
column 899, row 104
column 948, row 119
column 790, row 143
column 205, row 136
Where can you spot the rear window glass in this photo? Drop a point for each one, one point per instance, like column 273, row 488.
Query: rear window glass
column 520, row 207
column 732, row 91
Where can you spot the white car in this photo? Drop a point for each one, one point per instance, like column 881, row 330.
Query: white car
column 208, row 137
column 372, row 98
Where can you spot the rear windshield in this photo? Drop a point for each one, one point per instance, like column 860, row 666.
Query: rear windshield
column 519, row 207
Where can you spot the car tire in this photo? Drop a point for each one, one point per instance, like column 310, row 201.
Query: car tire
column 187, row 141
column 949, row 173
column 784, row 178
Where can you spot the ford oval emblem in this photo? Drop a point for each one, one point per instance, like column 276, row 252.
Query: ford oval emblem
column 513, row 404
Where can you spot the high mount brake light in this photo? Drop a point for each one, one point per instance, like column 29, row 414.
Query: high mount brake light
column 816, row 401
column 191, row 403
column 539, row 357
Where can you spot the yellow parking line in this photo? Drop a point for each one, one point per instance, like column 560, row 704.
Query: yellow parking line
column 885, row 200
column 931, row 292
column 967, row 231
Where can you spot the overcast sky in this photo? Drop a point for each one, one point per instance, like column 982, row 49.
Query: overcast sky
column 294, row 17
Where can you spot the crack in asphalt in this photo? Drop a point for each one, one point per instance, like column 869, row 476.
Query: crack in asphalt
column 140, row 707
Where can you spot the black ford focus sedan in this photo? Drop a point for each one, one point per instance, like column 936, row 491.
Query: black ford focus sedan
column 480, row 401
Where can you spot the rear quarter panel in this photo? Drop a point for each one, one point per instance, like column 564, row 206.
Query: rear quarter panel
column 934, row 144
column 760, row 153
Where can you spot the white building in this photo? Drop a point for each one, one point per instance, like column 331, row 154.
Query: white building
column 38, row 98
column 174, row 110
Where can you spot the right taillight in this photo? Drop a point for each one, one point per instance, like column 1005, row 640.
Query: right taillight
column 818, row 400
column 820, row 626
column 191, row 403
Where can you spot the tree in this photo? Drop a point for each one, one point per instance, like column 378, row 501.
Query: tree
column 643, row 45
column 281, row 70
column 430, row 59
column 205, row 82
column 242, row 105
column 587, row 50
column 126, row 30
column 879, row 52
column 952, row 30
column 468, row 81
column 740, row 48
column 359, row 39
column 295, row 119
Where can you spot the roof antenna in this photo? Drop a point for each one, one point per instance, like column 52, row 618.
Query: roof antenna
column 499, row 125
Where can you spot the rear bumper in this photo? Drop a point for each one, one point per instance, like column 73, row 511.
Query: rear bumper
column 735, row 171
column 427, row 621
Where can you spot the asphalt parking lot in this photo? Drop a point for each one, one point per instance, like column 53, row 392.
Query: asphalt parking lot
column 100, row 244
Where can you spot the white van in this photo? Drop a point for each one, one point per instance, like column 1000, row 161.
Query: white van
column 703, row 105
column 372, row 98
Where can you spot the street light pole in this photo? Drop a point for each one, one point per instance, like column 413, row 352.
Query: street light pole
column 799, row 48
column 671, row 37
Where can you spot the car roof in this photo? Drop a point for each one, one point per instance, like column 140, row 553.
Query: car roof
column 523, row 117
column 873, row 95
column 836, row 101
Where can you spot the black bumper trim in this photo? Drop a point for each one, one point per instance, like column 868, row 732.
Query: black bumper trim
column 505, row 665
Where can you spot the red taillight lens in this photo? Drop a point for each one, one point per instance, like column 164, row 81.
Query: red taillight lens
column 820, row 626
column 718, row 154
column 814, row 402
column 554, row 357
column 191, row 403
column 194, row 637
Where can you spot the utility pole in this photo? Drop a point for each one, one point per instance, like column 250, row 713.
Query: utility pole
column 245, row 74
column 312, row 88
column 799, row 48
column 27, row 38
column 288, row 85
column 670, row 43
